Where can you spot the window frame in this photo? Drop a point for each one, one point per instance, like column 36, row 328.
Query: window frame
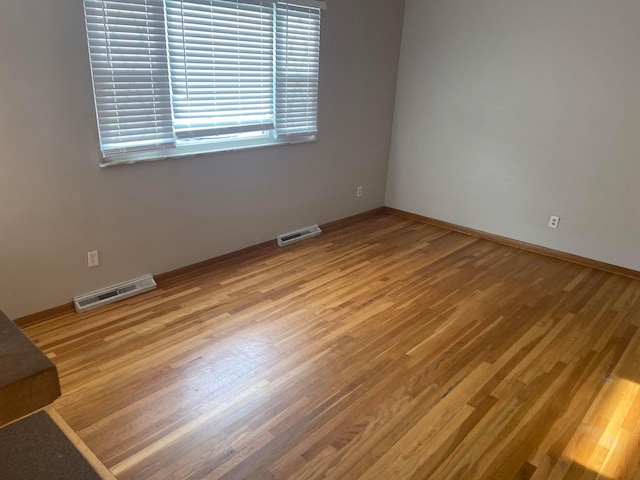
column 127, row 154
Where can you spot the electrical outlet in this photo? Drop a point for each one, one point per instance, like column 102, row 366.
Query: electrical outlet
column 554, row 221
column 359, row 191
column 92, row 259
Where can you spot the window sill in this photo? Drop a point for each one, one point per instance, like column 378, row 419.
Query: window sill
column 199, row 149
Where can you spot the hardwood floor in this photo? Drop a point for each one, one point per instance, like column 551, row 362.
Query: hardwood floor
column 387, row 349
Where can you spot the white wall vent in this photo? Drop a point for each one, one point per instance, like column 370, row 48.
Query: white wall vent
column 114, row 293
column 293, row 237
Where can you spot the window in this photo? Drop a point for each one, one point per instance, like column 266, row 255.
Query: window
column 178, row 77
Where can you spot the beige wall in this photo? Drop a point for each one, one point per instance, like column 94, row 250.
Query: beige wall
column 509, row 111
column 56, row 203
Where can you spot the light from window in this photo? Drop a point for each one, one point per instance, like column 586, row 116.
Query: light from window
column 178, row 77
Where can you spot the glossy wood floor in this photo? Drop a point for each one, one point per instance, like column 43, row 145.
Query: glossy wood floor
column 387, row 349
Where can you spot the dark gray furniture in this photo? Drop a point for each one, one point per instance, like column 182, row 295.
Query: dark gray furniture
column 28, row 379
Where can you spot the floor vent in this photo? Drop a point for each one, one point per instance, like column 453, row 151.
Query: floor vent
column 114, row 293
column 293, row 237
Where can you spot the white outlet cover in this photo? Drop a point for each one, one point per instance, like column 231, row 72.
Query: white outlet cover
column 554, row 221
column 93, row 260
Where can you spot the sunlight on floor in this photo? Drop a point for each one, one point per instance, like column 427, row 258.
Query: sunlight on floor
column 609, row 432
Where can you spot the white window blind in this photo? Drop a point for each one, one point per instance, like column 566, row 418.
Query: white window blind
column 130, row 76
column 297, row 62
column 167, row 73
column 221, row 57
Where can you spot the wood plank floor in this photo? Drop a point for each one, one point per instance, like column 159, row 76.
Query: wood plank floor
column 386, row 349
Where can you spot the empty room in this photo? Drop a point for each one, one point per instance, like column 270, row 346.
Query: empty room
column 339, row 239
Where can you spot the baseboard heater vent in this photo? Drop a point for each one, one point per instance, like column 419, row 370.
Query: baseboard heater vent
column 114, row 293
column 293, row 237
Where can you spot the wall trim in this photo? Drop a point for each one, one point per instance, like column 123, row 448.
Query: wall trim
column 163, row 279
column 175, row 275
column 530, row 247
column 45, row 315
column 343, row 222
